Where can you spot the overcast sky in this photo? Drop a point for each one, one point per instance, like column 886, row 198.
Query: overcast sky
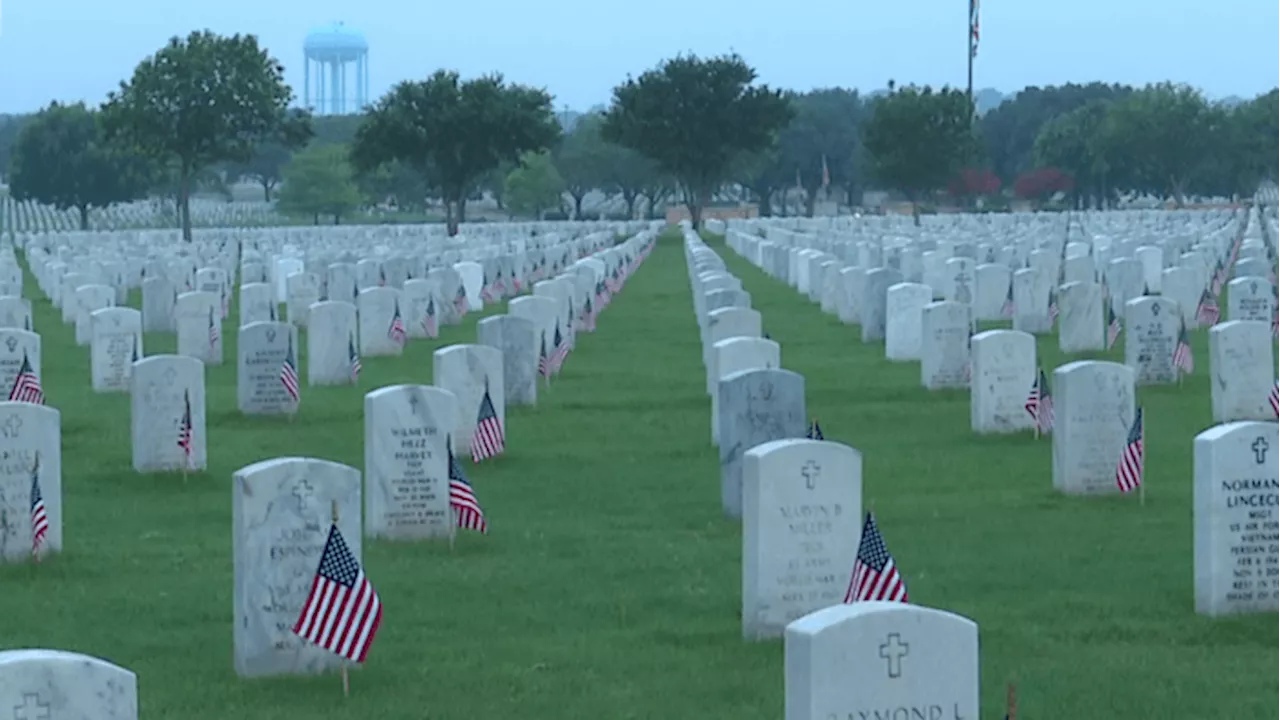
column 80, row 49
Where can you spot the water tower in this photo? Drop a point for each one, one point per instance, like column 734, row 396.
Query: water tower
column 333, row 50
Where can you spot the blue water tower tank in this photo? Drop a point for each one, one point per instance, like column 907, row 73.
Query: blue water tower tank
column 333, row 53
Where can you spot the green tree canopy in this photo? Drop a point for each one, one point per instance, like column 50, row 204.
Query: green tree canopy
column 694, row 117
column 453, row 132
column 584, row 159
column 919, row 138
column 825, row 135
column 1160, row 131
column 319, row 181
column 1010, row 130
column 266, row 165
column 203, row 100
column 534, row 185
column 1070, row 142
column 61, row 158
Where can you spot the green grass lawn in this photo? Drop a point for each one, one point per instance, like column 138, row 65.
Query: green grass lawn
column 609, row 586
column 1085, row 603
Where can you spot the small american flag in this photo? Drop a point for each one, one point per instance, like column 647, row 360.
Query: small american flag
column 559, row 351
column 26, row 386
column 1007, row 309
column 396, row 329
column 487, row 290
column 875, row 577
column 136, row 355
column 430, row 323
column 382, row 277
column 588, row 316
column 1040, row 403
column 460, row 304
column 185, row 426
column 1113, row 325
column 815, row 431
column 353, row 357
column 215, row 333
column 1129, row 469
column 1273, row 397
column 1053, row 306
column 39, row 518
column 488, row 440
column 289, row 374
column 1184, row 360
column 342, row 613
column 462, row 498
column 1207, row 313
column 544, row 361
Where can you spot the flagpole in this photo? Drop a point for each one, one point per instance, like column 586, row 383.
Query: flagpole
column 968, row 35
column 346, row 678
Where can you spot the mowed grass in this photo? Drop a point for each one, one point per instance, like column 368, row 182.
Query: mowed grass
column 609, row 587
column 1085, row 603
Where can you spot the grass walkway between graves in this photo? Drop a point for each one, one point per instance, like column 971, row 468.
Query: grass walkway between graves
column 608, row 587
column 1085, row 603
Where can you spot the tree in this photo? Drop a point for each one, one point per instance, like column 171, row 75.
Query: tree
column 762, row 174
column 823, row 144
column 320, row 181
column 61, row 158
column 396, row 182
column 1009, row 131
column 1070, row 142
column 10, row 126
column 266, row 165
column 534, row 185
column 1041, row 184
column 453, row 132
column 919, row 138
column 582, row 157
column 694, row 117
column 1162, row 131
column 629, row 174
column 973, row 183
column 204, row 100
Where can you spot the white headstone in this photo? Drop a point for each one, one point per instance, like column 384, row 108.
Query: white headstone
column 406, row 435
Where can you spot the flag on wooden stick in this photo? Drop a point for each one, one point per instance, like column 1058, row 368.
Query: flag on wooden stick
column 39, row 517
column 26, row 385
column 342, row 613
column 462, row 497
column 875, row 576
column 1129, row 469
column 289, row 374
column 488, row 440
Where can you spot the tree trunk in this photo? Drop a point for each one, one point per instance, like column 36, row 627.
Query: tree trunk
column 184, row 202
column 630, row 199
column 266, row 189
column 915, row 212
column 315, row 218
column 462, row 211
column 84, row 217
column 337, row 219
column 450, row 224
column 577, row 205
column 810, row 200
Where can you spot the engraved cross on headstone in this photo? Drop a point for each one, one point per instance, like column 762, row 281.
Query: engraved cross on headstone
column 31, row 708
column 415, row 404
column 1260, row 448
column 303, row 491
column 12, row 425
column 810, row 473
column 893, row 650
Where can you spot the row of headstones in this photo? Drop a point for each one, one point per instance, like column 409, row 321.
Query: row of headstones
column 1094, row 404
column 856, row 294
column 800, row 502
column 279, row 512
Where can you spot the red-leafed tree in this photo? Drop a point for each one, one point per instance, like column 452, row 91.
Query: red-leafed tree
column 1040, row 184
column 973, row 183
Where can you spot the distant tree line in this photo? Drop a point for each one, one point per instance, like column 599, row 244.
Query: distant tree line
column 692, row 130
